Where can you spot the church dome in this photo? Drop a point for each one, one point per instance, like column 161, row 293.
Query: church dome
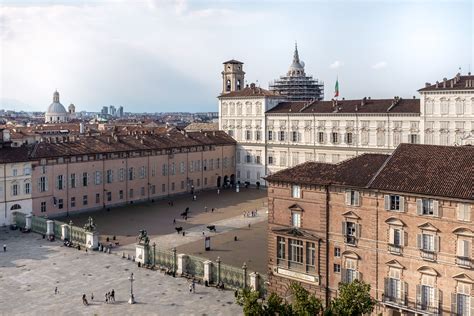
column 56, row 107
column 297, row 66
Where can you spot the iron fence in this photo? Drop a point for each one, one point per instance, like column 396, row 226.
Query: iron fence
column 232, row 276
column 195, row 266
column 166, row 259
column 38, row 224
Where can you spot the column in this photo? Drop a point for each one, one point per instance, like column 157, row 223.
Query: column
column 64, row 231
column 207, row 271
column 28, row 221
column 49, row 228
column 254, row 281
column 182, row 261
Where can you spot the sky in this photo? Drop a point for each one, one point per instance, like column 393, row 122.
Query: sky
column 158, row 56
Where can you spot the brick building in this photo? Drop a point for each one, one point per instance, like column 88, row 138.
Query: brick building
column 98, row 171
column 401, row 223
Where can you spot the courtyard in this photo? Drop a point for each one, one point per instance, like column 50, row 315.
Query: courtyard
column 156, row 218
column 32, row 268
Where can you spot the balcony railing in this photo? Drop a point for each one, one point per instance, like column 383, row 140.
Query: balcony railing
column 464, row 262
column 428, row 255
column 395, row 249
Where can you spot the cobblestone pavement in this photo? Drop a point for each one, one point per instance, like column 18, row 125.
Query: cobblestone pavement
column 32, row 267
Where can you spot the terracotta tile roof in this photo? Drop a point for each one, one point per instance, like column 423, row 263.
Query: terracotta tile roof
column 106, row 143
column 432, row 170
column 444, row 171
column 357, row 171
column 457, row 83
column 399, row 105
column 202, row 127
column 250, row 91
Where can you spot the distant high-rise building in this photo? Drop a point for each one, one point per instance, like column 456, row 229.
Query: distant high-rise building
column 112, row 110
column 120, row 111
column 296, row 86
column 105, row 110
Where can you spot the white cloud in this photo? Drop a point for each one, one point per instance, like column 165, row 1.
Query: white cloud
column 336, row 64
column 379, row 65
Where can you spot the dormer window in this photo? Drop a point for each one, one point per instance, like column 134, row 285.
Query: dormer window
column 296, row 191
column 295, row 219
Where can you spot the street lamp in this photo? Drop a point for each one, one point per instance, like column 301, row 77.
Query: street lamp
column 132, row 299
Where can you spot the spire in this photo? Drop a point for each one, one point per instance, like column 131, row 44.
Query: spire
column 56, row 97
column 296, row 57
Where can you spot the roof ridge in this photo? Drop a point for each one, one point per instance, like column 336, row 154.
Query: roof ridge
column 382, row 166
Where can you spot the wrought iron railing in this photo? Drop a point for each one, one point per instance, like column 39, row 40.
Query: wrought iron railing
column 464, row 262
column 165, row 258
column 58, row 229
column 38, row 224
column 195, row 266
column 232, row 276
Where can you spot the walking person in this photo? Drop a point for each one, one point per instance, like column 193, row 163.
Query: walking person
column 193, row 285
column 106, row 298
column 174, row 221
column 190, row 288
column 4, row 248
column 112, row 295
column 92, row 296
column 218, row 191
column 55, row 290
column 84, row 300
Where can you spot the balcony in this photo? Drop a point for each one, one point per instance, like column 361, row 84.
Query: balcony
column 428, row 255
column 395, row 249
column 464, row 262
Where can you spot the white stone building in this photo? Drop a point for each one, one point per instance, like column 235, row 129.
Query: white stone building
column 290, row 133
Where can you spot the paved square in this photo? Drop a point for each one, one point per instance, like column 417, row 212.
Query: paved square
column 32, row 267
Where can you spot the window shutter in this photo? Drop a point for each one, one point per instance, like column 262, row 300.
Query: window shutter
column 343, row 275
column 404, row 291
column 436, row 208
column 467, row 212
column 437, row 296
column 419, row 241
column 418, row 295
column 460, row 248
column 436, row 243
column 387, row 287
column 454, row 304
column 402, row 204
column 358, row 230
column 467, row 248
column 39, row 185
column 472, row 305
column 405, row 238
column 344, row 228
column 391, row 235
column 348, row 197
column 419, row 206
column 356, row 198
column 387, row 202
column 46, row 184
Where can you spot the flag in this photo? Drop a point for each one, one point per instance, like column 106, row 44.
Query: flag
column 336, row 89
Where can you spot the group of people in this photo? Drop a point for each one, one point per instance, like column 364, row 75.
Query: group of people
column 109, row 297
column 250, row 213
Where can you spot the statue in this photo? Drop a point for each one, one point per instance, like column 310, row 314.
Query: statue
column 90, row 226
column 143, row 237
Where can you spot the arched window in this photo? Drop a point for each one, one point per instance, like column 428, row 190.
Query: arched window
column 227, row 85
column 238, row 84
column 15, row 207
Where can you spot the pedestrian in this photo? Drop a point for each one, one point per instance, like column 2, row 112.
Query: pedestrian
column 203, row 233
column 112, row 295
column 106, row 298
column 218, row 191
column 174, row 221
column 4, row 248
column 84, row 300
column 92, row 296
column 194, row 197
column 56, row 290
column 193, row 285
column 212, row 210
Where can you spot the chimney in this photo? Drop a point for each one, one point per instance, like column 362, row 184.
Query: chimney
column 427, row 84
column 444, row 82
column 437, row 84
column 252, row 85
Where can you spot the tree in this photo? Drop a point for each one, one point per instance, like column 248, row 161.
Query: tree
column 304, row 303
column 249, row 299
column 353, row 300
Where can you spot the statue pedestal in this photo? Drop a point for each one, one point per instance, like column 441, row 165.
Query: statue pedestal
column 92, row 240
column 141, row 253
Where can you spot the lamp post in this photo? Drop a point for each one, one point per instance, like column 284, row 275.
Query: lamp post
column 132, row 299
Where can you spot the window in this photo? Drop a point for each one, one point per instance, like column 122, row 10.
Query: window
column 110, row 176
column 427, row 207
column 296, row 191
column 73, row 201
column 142, row 172
column 163, row 187
column 296, row 219
column 248, row 158
column 173, row 186
column 350, row 272
column 428, row 242
column 258, row 135
column 97, row 198
column 294, row 136
column 380, row 138
column 281, row 136
column 85, row 179
column 414, row 139
column 43, row 207
column 142, row 191
column 130, row 193
column 73, row 180
column 337, row 252
column 182, row 185
column 59, row 182
column 464, row 212
column 121, row 194
column 270, row 135
column 321, row 137
column 334, row 137
column 463, row 249
column 27, row 188
column 310, row 256
column 281, row 250
column 337, row 268
column 248, row 135
column 394, row 203
column 15, row 172
column 461, row 300
column 84, row 200
column 15, row 189
column 60, row 204
column 352, row 198
column 121, row 174
column 270, row 160
column 43, row 184
column 427, row 297
column 109, row 196
column 131, row 174
column 27, row 171
column 98, row 178
column 395, row 289
column 350, row 230
column 349, row 138
column 295, row 253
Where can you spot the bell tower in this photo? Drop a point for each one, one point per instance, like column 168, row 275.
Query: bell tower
column 233, row 76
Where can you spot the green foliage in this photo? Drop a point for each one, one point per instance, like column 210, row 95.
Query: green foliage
column 353, row 300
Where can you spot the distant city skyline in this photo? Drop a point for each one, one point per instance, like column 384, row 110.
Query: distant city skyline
column 164, row 56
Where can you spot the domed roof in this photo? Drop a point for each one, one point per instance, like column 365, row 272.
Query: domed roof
column 56, row 107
